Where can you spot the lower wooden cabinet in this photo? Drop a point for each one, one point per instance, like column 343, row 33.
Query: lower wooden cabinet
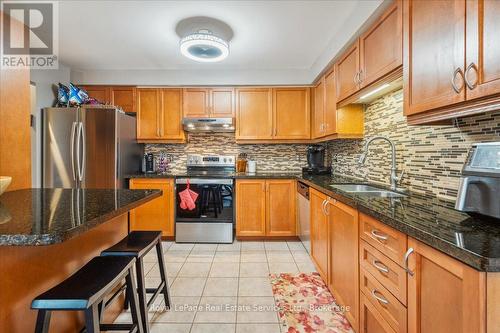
column 319, row 232
column 157, row 214
column 265, row 207
column 343, row 258
column 371, row 320
column 444, row 295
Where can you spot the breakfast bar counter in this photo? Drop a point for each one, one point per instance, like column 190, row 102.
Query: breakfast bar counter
column 48, row 234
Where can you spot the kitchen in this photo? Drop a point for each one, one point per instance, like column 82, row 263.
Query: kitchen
column 352, row 164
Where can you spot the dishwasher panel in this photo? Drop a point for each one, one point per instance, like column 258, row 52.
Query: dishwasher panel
column 304, row 215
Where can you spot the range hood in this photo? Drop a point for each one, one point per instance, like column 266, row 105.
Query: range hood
column 208, row 124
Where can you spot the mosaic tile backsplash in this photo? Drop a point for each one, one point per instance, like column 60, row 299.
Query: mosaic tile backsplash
column 432, row 156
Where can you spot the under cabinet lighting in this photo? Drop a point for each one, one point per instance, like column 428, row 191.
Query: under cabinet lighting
column 375, row 91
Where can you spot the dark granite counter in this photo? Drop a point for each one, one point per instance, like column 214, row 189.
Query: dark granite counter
column 49, row 216
column 236, row 175
column 474, row 241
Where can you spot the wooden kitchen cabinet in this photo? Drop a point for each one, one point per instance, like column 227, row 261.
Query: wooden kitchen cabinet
column 124, row 97
column 291, row 113
column 101, row 93
column 208, row 102
column 347, row 69
column 381, row 47
column 265, row 207
column 371, row 320
column 319, row 232
column 157, row 214
column 343, row 268
column 318, row 122
column 281, row 207
column 254, row 114
column 444, row 295
column 159, row 115
column 330, row 105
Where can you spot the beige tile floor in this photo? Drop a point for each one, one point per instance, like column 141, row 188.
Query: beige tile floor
column 221, row 288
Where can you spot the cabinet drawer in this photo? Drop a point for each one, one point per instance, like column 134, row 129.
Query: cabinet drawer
column 386, row 304
column 384, row 238
column 386, row 271
column 371, row 320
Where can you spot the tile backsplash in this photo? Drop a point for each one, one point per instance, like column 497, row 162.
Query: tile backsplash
column 432, row 156
column 269, row 158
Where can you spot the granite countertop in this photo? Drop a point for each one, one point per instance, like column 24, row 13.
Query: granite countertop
column 472, row 240
column 236, row 175
column 48, row 216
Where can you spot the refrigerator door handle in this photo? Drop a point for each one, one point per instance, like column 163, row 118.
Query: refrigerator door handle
column 72, row 149
column 81, row 166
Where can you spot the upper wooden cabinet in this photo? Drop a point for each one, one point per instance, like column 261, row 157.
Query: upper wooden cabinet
column 291, row 113
column 318, row 122
column 159, row 115
column 124, row 97
column 254, row 114
column 157, row 214
column 451, row 59
column 330, row 105
column 101, row 93
column 208, row 102
column 380, row 48
column 347, row 69
column 265, row 207
column 444, row 295
column 319, row 232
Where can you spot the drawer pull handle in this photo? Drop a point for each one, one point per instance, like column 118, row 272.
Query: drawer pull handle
column 379, row 298
column 381, row 267
column 377, row 234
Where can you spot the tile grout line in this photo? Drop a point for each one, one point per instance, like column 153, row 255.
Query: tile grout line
column 202, row 291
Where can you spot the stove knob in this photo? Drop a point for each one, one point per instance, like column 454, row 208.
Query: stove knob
column 225, row 160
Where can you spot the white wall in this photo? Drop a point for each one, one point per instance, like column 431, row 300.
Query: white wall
column 44, row 81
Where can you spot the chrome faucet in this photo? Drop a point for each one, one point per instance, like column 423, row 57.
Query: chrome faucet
column 394, row 177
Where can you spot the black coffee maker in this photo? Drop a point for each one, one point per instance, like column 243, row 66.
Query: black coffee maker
column 316, row 161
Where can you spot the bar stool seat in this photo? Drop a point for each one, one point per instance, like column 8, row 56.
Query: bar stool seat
column 137, row 244
column 85, row 290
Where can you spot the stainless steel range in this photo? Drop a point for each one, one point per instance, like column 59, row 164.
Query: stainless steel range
column 210, row 219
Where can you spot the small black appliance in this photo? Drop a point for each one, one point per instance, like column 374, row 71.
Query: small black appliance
column 148, row 163
column 316, row 161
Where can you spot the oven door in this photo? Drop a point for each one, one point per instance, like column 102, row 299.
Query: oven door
column 214, row 202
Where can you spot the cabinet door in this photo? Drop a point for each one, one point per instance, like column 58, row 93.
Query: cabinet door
column 381, row 47
column 281, row 208
column 291, row 109
column 444, row 295
column 371, row 321
column 347, row 69
column 251, row 207
column 254, row 116
column 148, row 117
column 222, row 102
column 330, row 104
column 124, row 97
column 171, row 114
column 319, row 233
column 344, row 264
column 483, row 48
column 196, row 102
column 434, row 54
column 157, row 214
column 319, row 110
column 101, row 93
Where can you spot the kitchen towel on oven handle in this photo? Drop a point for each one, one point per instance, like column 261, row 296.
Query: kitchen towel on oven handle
column 188, row 198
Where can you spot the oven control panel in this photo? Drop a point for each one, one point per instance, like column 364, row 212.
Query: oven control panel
column 211, row 160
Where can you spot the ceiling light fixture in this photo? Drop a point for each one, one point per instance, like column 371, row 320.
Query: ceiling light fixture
column 203, row 46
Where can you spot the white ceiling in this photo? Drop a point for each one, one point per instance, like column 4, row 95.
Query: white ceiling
column 275, row 42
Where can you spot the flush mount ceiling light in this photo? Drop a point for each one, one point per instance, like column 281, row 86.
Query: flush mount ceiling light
column 203, row 46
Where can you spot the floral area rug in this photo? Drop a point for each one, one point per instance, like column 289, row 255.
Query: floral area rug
column 306, row 305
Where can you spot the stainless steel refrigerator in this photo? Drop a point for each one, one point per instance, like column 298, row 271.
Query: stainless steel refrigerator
column 88, row 147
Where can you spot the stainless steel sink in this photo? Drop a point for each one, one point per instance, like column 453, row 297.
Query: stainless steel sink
column 367, row 190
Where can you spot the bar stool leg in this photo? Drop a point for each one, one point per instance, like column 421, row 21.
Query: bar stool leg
column 134, row 302
column 141, row 291
column 92, row 319
column 42, row 321
column 125, row 302
column 163, row 274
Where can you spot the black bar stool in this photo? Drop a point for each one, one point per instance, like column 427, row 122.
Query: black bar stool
column 137, row 244
column 85, row 291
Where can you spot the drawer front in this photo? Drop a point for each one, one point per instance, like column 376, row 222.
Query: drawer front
column 371, row 320
column 386, row 271
column 386, row 304
column 384, row 238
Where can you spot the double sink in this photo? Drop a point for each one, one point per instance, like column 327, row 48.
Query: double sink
column 367, row 190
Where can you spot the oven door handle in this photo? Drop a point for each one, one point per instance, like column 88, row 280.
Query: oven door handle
column 204, row 181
